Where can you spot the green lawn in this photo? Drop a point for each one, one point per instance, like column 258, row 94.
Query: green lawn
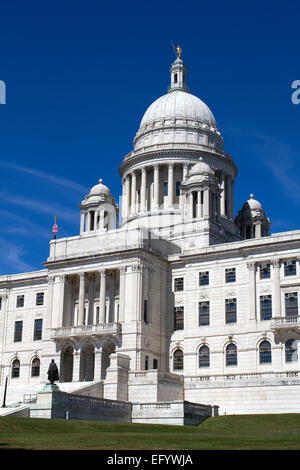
column 264, row 432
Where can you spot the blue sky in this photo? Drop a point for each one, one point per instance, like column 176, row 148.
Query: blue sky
column 80, row 75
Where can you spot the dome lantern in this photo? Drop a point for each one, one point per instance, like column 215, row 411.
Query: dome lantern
column 178, row 74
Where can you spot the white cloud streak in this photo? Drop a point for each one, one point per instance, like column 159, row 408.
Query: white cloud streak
column 56, row 180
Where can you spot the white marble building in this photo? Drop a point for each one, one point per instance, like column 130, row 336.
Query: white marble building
column 169, row 296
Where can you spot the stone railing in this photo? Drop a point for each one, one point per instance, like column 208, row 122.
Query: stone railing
column 285, row 322
column 86, row 330
column 237, row 378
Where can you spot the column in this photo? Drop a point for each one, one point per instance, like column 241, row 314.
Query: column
column 81, row 222
column 87, row 222
column 102, row 300
column 199, row 204
column 156, row 187
column 97, row 365
column 185, row 170
column 170, row 184
column 60, row 291
column 126, row 197
column 143, row 190
column 95, row 220
column 191, row 212
column 90, row 312
column 122, row 293
column 223, row 195
column 206, row 203
column 276, row 294
column 81, row 299
column 133, row 193
column 252, row 290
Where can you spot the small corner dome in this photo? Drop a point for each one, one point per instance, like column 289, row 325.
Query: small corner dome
column 253, row 203
column 99, row 189
column 201, row 168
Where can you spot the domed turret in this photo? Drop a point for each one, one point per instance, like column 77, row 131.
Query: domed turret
column 98, row 210
column 200, row 192
column 252, row 221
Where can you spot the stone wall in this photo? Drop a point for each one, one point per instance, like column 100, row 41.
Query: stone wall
column 52, row 403
column 176, row 413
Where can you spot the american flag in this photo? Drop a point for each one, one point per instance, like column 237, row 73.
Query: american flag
column 55, row 227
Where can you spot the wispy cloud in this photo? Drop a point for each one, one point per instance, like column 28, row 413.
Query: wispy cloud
column 280, row 158
column 11, row 257
column 41, row 207
column 54, row 179
column 21, row 226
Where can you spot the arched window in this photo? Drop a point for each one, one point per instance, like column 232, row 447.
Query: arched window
column 15, row 369
column 291, row 351
column 204, row 356
column 231, row 355
column 35, row 367
column 178, row 360
column 265, row 352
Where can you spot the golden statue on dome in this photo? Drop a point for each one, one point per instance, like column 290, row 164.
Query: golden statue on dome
column 179, row 52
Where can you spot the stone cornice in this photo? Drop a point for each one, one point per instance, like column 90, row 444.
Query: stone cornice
column 176, row 152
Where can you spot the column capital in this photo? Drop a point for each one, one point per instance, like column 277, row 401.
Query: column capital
column 123, row 270
column 251, row 265
column 81, row 275
column 102, row 272
column 275, row 263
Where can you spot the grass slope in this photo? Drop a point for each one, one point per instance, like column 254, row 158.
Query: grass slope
column 245, row 432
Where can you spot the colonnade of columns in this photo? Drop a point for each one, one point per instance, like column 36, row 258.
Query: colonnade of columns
column 202, row 204
column 97, row 219
column 252, row 290
column 88, row 297
column 156, row 186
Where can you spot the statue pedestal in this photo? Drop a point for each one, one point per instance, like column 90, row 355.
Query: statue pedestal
column 48, row 388
column 43, row 408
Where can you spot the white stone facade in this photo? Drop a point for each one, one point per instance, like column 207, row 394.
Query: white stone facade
column 178, row 300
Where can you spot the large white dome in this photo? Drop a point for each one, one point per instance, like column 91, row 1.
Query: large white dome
column 178, row 105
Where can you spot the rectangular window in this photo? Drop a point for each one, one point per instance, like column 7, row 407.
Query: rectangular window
column 39, row 298
column 165, row 188
column 155, row 363
column 0, row 303
column 291, row 304
column 204, row 313
column 230, row 275
column 230, row 310
column 20, row 301
column 204, row 278
column 146, row 362
column 290, row 268
column 178, row 188
column 18, row 331
column 146, row 313
column 178, row 284
column 38, row 326
column 178, row 318
column 265, row 307
column 265, row 271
